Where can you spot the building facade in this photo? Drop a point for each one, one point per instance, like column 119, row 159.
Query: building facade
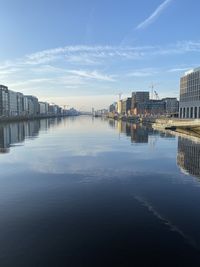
column 171, row 105
column 43, row 108
column 126, row 106
column 151, row 107
column 33, row 105
column 113, row 107
column 189, row 106
column 4, row 101
column 138, row 98
column 119, row 107
column 13, row 104
column 20, row 104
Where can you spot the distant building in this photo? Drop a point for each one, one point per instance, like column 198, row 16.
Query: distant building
column 4, row 101
column 113, row 107
column 138, row 98
column 25, row 105
column 171, row 105
column 126, row 106
column 53, row 109
column 43, row 108
column 20, row 104
column 189, row 106
column 13, row 103
column 119, row 107
column 151, row 107
column 33, row 105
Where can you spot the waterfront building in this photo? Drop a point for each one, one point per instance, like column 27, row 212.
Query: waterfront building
column 20, row 104
column 43, row 108
column 33, row 105
column 4, row 101
column 119, row 107
column 13, row 103
column 138, row 98
column 171, row 105
column 189, row 106
column 151, row 107
column 25, row 105
column 126, row 106
column 113, row 107
column 52, row 109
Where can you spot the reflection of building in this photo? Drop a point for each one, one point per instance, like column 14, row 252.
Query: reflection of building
column 138, row 133
column 4, row 138
column 13, row 133
column 190, row 94
column 188, row 157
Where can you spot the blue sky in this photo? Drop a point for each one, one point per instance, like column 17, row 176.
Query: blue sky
column 83, row 53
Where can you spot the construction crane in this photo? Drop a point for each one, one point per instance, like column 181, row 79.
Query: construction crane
column 152, row 86
column 156, row 95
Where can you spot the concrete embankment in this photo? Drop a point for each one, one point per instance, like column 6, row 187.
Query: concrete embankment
column 185, row 126
column 27, row 118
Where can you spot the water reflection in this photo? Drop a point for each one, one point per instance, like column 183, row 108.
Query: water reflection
column 15, row 133
column 79, row 196
column 188, row 157
column 139, row 133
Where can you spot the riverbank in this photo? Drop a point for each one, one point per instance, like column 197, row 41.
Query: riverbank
column 185, row 126
column 27, row 118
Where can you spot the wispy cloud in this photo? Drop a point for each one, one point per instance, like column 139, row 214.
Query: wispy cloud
column 92, row 75
column 76, row 70
column 146, row 72
column 154, row 15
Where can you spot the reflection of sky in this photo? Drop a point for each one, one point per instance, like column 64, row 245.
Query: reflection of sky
column 87, row 160
column 89, row 146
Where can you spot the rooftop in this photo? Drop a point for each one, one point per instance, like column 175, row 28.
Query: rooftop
column 192, row 70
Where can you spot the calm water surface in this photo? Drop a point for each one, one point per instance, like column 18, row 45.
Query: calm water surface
column 92, row 192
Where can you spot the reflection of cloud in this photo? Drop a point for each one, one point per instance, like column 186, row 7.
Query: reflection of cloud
column 166, row 222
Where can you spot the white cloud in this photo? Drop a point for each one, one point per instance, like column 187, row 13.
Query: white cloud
column 92, row 75
column 79, row 70
column 154, row 15
column 142, row 72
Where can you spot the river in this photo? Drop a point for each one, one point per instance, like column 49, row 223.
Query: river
column 83, row 191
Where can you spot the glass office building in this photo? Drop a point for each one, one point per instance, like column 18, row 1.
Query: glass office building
column 189, row 106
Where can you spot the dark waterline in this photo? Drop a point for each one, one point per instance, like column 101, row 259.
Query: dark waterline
column 93, row 192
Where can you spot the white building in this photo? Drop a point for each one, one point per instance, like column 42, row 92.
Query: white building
column 43, row 108
column 13, row 110
column 20, row 104
column 189, row 106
